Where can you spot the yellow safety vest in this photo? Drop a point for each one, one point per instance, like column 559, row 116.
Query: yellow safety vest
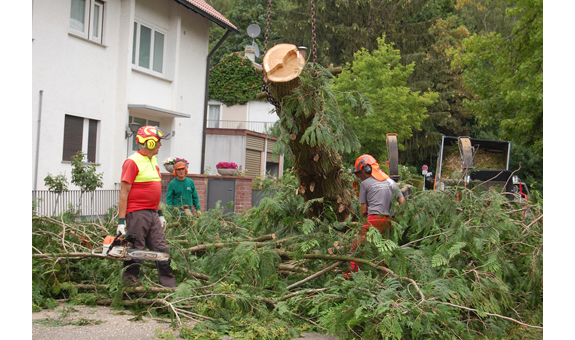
column 147, row 168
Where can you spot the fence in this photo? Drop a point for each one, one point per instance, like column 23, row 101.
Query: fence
column 261, row 127
column 92, row 203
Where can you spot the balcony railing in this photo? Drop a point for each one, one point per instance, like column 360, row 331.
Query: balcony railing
column 261, row 127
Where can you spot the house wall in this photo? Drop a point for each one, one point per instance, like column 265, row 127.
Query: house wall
column 261, row 112
column 98, row 81
column 77, row 77
column 225, row 148
column 236, row 112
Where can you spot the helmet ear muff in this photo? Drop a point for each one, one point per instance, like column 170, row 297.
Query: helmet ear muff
column 367, row 169
column 175, row 174
column 150, row 143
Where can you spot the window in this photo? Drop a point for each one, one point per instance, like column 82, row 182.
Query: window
column 80, row 134
column 214, row 116
column 87, row 19
column 142, row 122
column 148, row 47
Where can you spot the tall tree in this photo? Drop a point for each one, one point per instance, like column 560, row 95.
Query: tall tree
column 345, row 27
column 381, row 79
column 242, row 14
column 506, row 75
column 447, row 116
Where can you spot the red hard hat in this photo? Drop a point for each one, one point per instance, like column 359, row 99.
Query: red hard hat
column 148, row 132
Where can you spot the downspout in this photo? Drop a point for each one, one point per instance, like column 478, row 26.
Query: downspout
column 38, row 141
column 207, row 98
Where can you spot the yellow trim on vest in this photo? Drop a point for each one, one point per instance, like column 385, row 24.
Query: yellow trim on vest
column 147, row 171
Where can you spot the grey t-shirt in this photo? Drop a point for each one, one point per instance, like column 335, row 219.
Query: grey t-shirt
column 378, row 195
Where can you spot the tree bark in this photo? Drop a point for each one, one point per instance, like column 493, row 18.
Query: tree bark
column 318, row 168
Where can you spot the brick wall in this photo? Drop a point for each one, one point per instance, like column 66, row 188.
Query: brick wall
column 243, row 199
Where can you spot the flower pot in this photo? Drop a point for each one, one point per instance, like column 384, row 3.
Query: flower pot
column 169, row 167
column 227, row 172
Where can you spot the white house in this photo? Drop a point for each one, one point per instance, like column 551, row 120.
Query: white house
column 100, row 65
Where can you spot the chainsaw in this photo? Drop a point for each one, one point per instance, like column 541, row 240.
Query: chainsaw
column 120, row 249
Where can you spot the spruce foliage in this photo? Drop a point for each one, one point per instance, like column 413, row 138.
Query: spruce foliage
column 459, row 264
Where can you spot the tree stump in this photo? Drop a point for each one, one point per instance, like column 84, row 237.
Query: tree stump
column 282, row 66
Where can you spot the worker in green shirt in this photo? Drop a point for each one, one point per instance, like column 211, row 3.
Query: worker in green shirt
column 182, row 190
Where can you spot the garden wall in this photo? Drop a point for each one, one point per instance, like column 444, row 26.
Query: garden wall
column 243, row 189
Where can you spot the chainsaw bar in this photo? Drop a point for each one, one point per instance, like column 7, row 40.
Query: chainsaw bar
column 148, row 255
column 121, row 249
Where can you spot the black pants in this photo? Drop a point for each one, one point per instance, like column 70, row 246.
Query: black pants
column 149, row 233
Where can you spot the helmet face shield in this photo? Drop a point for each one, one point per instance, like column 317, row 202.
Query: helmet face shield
column 161, row 134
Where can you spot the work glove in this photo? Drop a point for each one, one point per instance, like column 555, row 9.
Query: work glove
column 198, row 213
column 121, row 227
column 162, row 220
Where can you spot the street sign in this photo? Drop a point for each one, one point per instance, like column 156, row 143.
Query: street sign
column 424, row 172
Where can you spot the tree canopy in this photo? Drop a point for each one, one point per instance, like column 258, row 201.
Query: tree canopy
column 381, row 79
column 505, row 73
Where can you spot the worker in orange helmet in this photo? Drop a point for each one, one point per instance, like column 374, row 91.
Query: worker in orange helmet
column 182, row 191
column 376, row 192
column 139, row 206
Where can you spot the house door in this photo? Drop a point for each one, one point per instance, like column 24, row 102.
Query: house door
column 223, row 190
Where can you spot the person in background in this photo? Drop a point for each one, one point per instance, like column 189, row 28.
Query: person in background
column 182, row 190
column 139, row 206
column 375, row 196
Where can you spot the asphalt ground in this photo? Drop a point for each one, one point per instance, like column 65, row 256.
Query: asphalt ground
column 105, row 323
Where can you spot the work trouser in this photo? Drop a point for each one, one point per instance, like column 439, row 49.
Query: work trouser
column 381, row 223
column 148, row 229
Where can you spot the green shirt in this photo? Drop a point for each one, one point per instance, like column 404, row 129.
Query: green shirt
column 182, row 192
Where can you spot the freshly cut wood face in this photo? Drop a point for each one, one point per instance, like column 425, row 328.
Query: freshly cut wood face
column 283, row 62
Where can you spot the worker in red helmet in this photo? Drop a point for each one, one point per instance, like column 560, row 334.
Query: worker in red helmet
column 139, row 206
column 182, row 191
column 376, row 192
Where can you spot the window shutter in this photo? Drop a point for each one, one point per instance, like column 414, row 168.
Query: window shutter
column 253, row 162
column 255, row 143
column 92, row 139
column 73, row 129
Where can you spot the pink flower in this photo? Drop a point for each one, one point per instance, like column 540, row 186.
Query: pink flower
column 226, row 165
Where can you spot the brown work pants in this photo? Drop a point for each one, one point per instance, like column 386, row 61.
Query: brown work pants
column 149, row 233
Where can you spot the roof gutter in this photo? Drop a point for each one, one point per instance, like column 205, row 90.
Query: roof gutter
column 206, row 98
column 208, row 16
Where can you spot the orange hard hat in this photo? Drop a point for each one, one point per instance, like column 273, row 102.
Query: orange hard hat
column 180, row 165
column 369, row 164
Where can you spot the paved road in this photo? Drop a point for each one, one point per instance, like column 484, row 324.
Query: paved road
column 115, row 325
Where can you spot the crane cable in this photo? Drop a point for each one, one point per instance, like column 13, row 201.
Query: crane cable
column 265, row 86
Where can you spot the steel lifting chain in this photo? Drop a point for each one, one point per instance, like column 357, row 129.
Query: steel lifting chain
column 313, row 40
column 265, row 86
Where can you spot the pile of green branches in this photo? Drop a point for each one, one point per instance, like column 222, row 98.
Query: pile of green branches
column 458, row 265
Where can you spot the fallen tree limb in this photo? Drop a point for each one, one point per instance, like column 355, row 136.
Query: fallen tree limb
column 357, row 260
column 259, row 241
column 139, row 289
column 306, row 291
column 311, row 277
column 491, row 314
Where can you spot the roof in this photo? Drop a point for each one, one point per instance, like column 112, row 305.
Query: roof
column 207, row 11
